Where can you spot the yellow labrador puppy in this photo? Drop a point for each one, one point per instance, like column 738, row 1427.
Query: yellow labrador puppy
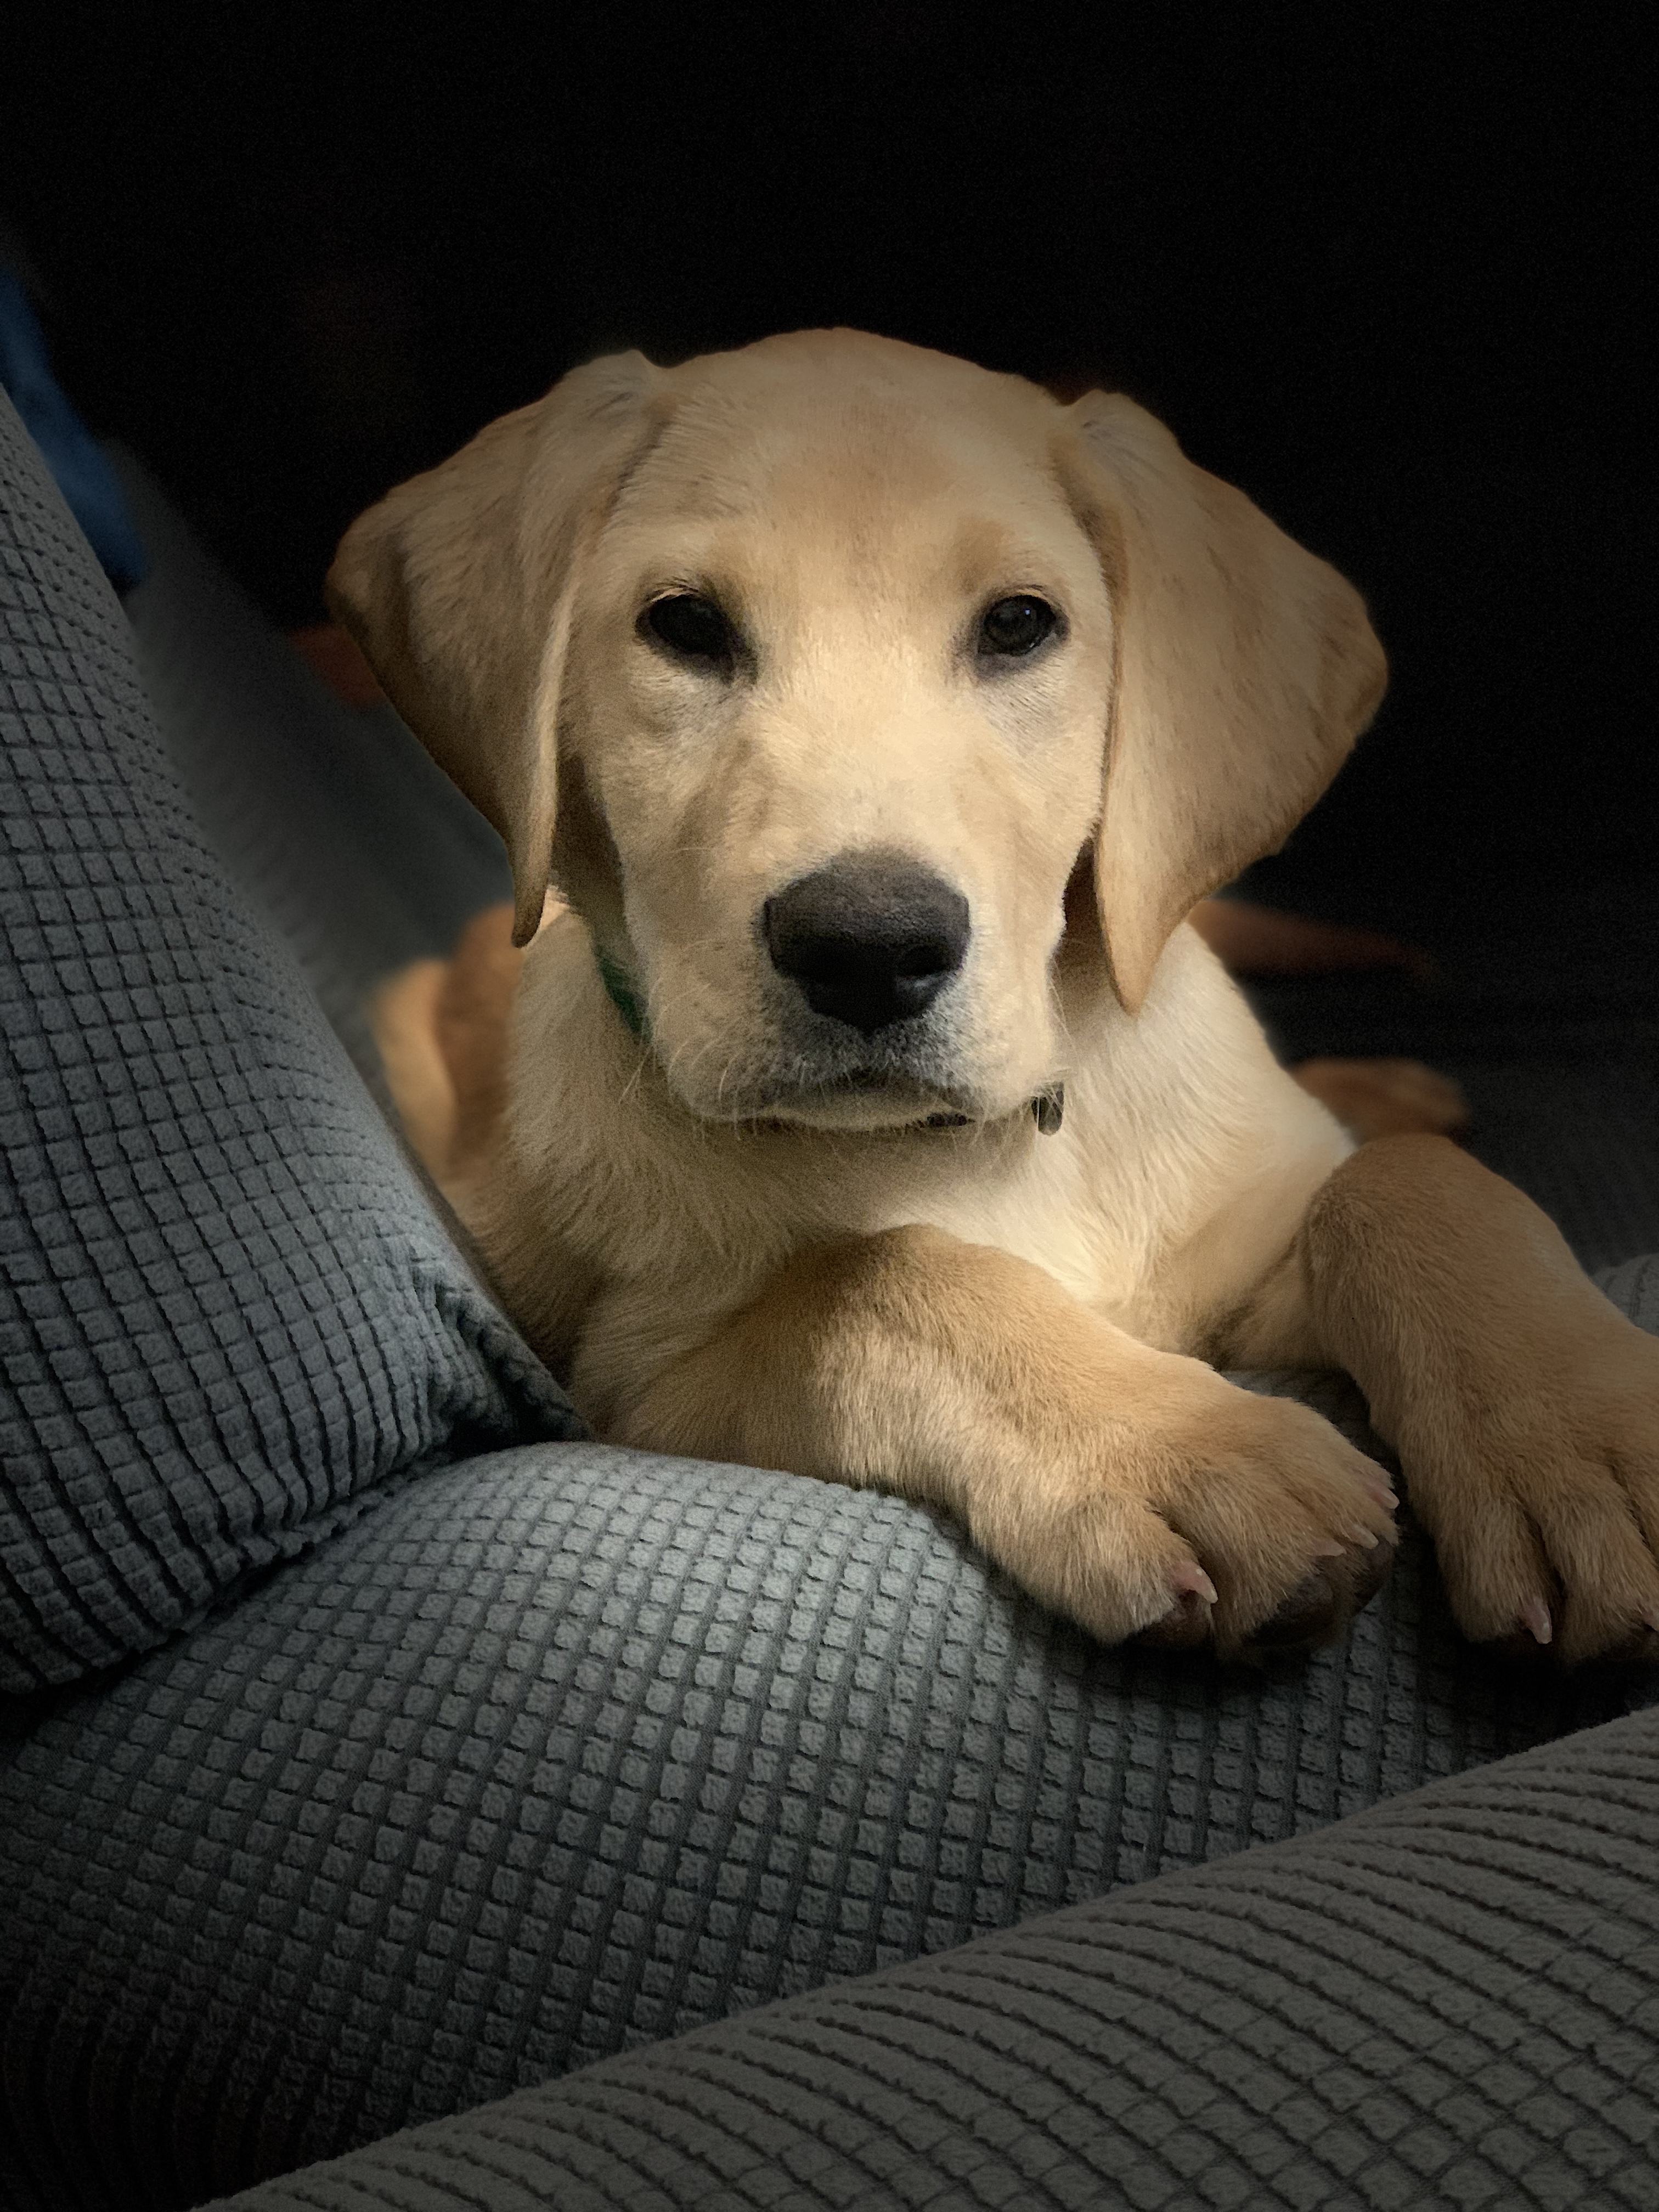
column 869, row 1110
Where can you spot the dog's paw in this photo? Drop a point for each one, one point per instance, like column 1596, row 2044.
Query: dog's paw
column 1293, row 1527
column 1242, row 1521
column 1540, row 1487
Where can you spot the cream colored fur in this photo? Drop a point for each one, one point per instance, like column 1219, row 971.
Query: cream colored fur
column 734, row 1236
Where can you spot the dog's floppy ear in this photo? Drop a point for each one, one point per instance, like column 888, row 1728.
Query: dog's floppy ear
column 1246, row 669
column 459, row 586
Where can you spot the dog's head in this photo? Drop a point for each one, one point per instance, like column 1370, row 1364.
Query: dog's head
column 811, row 671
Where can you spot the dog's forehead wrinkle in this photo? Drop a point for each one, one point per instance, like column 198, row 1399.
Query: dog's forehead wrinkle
column 750, row 430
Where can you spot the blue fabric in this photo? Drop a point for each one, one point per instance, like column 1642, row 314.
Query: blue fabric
column 85, row 478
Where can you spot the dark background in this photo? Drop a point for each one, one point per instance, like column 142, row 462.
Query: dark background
column 1387, row 275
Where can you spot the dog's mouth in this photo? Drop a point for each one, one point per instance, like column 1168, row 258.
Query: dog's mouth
column 860, row 1099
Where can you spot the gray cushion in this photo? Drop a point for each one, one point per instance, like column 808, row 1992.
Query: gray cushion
column 336, row 824
column 228, row 1319
column 573, row 1748
column 1450, row 2003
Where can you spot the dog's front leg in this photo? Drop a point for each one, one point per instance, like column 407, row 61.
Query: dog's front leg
column 1524, row 1406
column 1134, row 1490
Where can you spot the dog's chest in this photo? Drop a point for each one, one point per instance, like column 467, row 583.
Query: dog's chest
column 1174, row 1183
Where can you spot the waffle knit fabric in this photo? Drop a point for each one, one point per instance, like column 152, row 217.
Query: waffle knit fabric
column 228, row 1319
column 1449, row 2003
column 570, row 1749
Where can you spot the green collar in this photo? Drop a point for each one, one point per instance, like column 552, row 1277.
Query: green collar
column 619, row 988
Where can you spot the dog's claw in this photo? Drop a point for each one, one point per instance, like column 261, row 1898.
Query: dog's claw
column 1190, row 1580
column 1187, row 1624
column 1535, row 1620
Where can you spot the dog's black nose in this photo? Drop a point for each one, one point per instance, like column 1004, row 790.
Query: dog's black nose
column 869, row 940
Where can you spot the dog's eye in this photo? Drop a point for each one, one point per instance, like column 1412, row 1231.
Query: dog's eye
column 1016, row 626
column 692, row 627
